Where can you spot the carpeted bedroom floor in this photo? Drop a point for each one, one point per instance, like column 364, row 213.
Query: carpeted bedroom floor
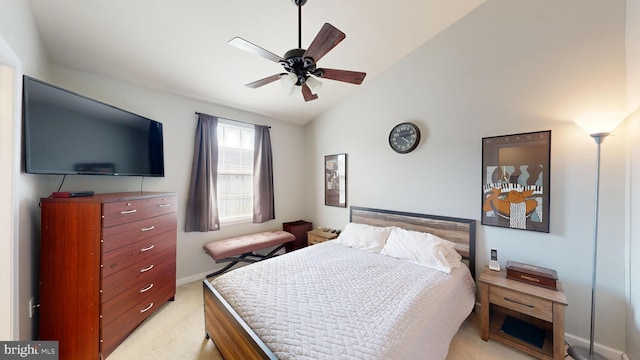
column 176, row 332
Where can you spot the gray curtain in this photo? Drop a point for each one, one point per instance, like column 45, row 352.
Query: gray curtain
column 263, row 204
column 202, row 205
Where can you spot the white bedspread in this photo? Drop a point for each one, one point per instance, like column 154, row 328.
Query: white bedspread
column 328, row 301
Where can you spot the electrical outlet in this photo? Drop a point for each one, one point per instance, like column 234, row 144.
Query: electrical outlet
column 32, row 307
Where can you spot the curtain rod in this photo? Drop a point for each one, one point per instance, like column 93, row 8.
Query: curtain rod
column 240, row 121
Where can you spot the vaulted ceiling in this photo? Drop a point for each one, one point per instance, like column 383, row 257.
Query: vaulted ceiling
column 182, row 46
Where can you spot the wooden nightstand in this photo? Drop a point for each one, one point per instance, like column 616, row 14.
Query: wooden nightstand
column 501, row 297
column 318, row 235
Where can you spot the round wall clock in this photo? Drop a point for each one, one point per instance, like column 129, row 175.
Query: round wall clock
column 404, row 137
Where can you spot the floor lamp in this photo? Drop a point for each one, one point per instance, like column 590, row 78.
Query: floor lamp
column 579, row 352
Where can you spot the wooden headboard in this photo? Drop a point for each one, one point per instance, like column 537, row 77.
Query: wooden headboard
column 460, row 231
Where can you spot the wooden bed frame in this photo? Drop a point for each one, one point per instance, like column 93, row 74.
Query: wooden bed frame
column 236, row 340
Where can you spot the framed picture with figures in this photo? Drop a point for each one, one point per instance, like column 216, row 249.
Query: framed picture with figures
column 335, row 180
column 515, row 181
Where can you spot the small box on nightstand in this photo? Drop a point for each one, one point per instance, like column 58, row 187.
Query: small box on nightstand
column 534, row 275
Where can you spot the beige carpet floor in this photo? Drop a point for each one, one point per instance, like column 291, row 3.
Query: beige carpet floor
column 176, row 332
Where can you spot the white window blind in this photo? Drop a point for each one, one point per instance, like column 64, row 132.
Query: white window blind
column 235, row 171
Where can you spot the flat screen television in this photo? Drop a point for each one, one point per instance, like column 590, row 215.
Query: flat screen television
column 67, row 133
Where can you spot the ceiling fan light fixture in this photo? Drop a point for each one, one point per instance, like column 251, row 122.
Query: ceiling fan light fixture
column 314, row 84
column 288, row 81
column 300, row 64
column 296, row 92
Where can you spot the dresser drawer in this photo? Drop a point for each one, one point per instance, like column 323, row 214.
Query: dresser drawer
column 521, row 302
column 122, row 212
column 124, row 234
column 117, row 330
column 137, row 253
column 135, row 297
column 139, row 275
column 314, row 239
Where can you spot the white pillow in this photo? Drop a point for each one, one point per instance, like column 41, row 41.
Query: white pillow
column 423, row 249
column 364, row 237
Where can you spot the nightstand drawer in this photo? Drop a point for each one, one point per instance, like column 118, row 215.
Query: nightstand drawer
column 521, row 302
column 318, row 235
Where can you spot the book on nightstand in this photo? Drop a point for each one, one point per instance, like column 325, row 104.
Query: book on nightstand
column 531, row 274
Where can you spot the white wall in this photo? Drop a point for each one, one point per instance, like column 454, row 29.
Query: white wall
column 508, row 67
column 633, row 259
column 8, row 245
column 18, row 30
column 633, row 101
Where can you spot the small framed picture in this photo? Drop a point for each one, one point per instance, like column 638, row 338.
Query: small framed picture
column 515, row 181
column 335, row 180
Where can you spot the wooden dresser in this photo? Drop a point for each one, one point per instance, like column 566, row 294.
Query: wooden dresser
column 107, row 262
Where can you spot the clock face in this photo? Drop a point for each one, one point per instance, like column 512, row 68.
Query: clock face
column 404, row 137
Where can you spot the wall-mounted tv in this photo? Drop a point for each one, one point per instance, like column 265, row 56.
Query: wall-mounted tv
column 67, row 133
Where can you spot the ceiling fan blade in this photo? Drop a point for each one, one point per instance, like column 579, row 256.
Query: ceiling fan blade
column 243, row 44
column 353, row 77
column 256, row 84
column 327, row 39
column 306, row 93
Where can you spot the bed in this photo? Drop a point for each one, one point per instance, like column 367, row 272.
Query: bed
column 331, row 300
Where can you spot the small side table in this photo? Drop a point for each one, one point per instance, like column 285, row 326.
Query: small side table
column 317, row 236
column 544, row 308
column 299, row 230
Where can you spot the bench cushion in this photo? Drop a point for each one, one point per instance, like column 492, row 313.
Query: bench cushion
column 223, row 249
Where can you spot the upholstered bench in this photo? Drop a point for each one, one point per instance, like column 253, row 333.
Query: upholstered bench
column 242, row 248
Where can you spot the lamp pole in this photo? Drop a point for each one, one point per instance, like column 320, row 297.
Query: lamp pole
column 579, row 352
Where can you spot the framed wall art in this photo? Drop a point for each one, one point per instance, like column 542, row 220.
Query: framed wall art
column 335, row 180
column 515, row 181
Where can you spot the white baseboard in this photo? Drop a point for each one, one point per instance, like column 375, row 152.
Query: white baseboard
column 192, row 278
column 605, row 351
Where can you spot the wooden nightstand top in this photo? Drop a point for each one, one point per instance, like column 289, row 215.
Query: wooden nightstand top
column 499, row 278
column 324, row 234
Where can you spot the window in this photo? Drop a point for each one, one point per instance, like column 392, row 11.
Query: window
column 235, row 171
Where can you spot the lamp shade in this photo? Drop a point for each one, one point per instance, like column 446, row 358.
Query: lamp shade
column 288, row 81
column 296, row 92
column 603, row 122
column 314, row 84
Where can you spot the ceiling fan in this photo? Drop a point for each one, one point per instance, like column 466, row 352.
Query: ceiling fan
column 300, row 64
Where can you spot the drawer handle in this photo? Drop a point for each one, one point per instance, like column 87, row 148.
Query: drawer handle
column 147, row 288
column 124, row 212
column 147, row 248
column 519, row 303
column 148, row 228
column 146, row 309
column 147, row 268
column 164, row 205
